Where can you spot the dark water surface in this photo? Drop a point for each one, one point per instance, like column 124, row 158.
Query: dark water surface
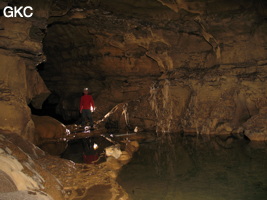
column 203, row 168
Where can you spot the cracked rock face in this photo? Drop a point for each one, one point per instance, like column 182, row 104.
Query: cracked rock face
column 180, row 65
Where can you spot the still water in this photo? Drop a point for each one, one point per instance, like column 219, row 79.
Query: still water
column 197, row 168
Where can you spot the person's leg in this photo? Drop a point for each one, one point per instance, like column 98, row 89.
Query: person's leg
column 90, row 118
column 83, row 117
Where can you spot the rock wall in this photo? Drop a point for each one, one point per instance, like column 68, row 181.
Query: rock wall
column 188, row 66
column 21, row 50
column 27, row 177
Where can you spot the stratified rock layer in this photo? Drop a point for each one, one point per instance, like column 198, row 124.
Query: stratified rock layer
column 189, row 66
column 28, row 173
column 19, row 164
column 20, row 83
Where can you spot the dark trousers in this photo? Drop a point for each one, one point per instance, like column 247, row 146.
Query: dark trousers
column 86, row 114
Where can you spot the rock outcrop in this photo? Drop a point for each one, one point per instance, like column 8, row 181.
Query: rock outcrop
column 256, row 126
column 21, row 50
column 28, row 173
column 26, row 176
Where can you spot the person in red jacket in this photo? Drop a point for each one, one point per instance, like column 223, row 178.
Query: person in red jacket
column 87, row 106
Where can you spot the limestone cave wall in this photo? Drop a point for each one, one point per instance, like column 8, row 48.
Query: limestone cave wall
column 21, row 50
column 193, row 66
column 27, row 172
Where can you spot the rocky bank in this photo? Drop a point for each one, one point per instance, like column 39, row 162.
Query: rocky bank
column 28, row 173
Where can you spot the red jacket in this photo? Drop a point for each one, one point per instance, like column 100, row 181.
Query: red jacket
column 86, row 102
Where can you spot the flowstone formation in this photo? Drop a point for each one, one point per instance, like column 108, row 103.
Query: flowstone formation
column 190, row 66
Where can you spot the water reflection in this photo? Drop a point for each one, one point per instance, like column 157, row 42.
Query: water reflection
column 86, row 150
column 196, row 168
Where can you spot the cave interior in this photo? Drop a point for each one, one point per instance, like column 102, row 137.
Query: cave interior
column 161, row 69
column 179, row 67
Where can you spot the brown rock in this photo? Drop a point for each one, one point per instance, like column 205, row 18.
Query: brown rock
column 47, row 128
column 19, row 163
column 54, row 148
column 184, row 66
column 20, row 53
column 125, row 157
column 6, row 183
column 255, row 127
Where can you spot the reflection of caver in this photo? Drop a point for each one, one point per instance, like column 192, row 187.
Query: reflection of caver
column 87, row 107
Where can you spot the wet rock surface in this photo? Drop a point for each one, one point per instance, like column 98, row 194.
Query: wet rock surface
column 27, row 172
column 81, row 181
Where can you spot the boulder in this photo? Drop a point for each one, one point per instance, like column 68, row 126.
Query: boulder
column 48, row 128
column 256, row 127
column 47, row 133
